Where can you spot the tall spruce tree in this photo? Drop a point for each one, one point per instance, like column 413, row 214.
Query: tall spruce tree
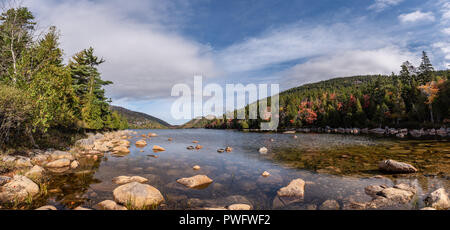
column 88, row 85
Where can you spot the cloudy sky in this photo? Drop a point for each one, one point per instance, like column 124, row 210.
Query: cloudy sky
column 151, row 45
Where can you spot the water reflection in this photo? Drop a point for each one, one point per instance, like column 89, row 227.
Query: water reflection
column 334, row 166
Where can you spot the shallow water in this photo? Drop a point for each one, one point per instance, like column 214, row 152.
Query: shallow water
column 335, row 167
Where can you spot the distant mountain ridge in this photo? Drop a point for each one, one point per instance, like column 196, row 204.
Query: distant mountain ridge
column 138, row 120
column 196, row 123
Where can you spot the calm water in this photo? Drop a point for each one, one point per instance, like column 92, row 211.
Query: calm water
column 335, row 167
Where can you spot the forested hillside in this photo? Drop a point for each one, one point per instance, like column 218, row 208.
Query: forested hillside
column 137, row 120
column 414, row 98
column 39, row 93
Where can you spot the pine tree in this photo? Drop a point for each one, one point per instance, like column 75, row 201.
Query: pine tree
column 88, row 85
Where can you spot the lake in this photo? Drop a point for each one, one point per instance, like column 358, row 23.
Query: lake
column 336, row 167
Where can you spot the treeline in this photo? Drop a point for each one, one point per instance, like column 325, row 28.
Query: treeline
column 39, row 92
column 417, row 97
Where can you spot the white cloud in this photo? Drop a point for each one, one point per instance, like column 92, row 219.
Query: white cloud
column 142, row 59
column 350, row 63
column 446, row 11
column 416, row 17
column 293, row 43
column 444, row 47
column 380, row 5
column 446, row 31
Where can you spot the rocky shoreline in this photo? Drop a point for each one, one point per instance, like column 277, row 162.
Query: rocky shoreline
column 26, row 180
column 386, row 132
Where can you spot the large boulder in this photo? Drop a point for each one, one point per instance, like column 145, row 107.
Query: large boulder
column 389, row 196
column 102, row 147
column 18, row 189
column 141, row 143
column 438, row 199
column 121, row 149
column 58, row 163
column 296, row 188
column 158, row 148
column 36, row 173
column 396, row 167
column 128, row 179
column 198, row 181
column 137, row 195
column 398, row 195
column 40, row 159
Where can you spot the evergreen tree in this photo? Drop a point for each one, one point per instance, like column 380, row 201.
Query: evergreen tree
column 88, row 85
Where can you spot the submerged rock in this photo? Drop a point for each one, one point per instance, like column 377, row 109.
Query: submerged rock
column 137, row 195
column 47, row 207
column 265, row 174
column 79, row 208
column 18, row 189
column 198, row 147
column 296, row 188
column 374, row 190
column 220, row 203
column 128, row 179
column 239, row 207
column 396, row 167
column 109, row 205
column 228, row 149
column 438, row 199
column 195, row 181
column 329, row 205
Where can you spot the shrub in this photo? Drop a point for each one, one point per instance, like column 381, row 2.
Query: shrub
column 16, row 112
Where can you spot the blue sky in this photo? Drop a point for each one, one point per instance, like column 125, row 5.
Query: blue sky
column 151, row 45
